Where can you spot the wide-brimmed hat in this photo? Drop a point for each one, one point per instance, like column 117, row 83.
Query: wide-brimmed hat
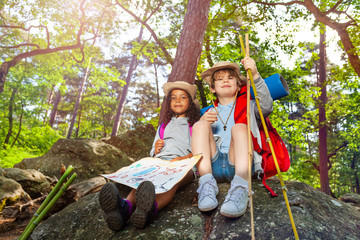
column 206, row 75
column 187, row 87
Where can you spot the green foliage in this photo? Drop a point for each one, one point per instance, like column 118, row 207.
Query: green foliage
column 14, row 155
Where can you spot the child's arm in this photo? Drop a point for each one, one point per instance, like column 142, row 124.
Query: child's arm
column 263, row 93
column 157, row 137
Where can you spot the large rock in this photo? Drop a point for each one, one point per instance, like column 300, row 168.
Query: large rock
column 33, row 182
column 11, row 192
column 89, row 157
column 317, row 216
column 135, row 143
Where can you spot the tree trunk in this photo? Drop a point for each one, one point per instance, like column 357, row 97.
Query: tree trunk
column 157, row 87
column 20, row 124
column 78, row 101
column 125, row 90
column 323, row 159
column 10, row 117
column 78, row 125
column 190, row 43
column 55, row 109
column 353, row 167
column 51, row 95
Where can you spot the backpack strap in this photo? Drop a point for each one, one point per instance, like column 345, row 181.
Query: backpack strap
column 264, row 155
column 162, row 130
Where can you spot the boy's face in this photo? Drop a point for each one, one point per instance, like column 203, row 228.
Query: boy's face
column 225, row 85
column 180, row 102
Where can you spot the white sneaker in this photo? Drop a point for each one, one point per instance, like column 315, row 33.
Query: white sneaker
column 207, row 191
column 236, row 200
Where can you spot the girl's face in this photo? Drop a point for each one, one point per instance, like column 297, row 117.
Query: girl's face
column 179, row 102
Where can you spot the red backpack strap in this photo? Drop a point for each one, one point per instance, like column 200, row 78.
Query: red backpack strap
column 190, row 128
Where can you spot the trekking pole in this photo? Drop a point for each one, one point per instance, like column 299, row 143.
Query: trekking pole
column 250, row 148
column 268, row 140
column 47, row 208
column 49, row 197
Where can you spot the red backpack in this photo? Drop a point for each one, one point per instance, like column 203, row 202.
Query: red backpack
column 280, row 150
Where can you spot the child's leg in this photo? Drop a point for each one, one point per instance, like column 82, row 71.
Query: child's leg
column 164, row 199
column 203, row 142
column 236, row 200
column 239, row 150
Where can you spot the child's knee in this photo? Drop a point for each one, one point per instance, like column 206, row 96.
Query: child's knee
column 201, row 125
column 239, row 128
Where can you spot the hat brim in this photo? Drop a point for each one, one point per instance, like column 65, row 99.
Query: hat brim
column 187, row 87
column 206, row 75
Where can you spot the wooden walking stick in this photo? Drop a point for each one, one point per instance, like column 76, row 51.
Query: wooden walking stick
column 268, row 140
column 249, row 143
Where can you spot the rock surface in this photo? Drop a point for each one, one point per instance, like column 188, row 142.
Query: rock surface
column 33, row 182
column 89, row 157
column 316, row 215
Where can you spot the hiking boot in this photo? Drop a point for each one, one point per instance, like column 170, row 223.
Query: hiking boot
column 236, row 200
column 146, row 206
column 207, row 191
column 117, row 210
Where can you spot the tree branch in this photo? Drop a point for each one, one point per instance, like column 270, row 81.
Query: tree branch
column 161, row 45
column 339, row 27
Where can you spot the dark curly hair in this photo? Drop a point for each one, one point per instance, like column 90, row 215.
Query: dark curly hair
column 192, row 113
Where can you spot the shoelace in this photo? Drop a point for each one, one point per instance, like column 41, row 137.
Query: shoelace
column 235, row 191
column 206, row 188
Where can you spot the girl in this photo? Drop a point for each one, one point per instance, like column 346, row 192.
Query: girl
column 172, row 142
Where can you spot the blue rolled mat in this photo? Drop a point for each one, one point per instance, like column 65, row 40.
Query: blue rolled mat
column 277, row 86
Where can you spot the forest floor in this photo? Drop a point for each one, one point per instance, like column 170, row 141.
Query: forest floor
column 12, row 225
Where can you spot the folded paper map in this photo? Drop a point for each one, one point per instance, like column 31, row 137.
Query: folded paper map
column 162, row 173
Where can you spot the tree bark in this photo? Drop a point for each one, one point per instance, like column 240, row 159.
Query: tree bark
column 120, row 107
column 10, row 118
column 323, row 156
column 20, row 124
column 81, row 89
column 190, row 43
column 55, row 109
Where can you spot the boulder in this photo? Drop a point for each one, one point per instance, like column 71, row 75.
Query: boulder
column 89, row 157
column 316, row 216
column 136, row 144
column 11, row 192
column 351, row 198
column 33, row 182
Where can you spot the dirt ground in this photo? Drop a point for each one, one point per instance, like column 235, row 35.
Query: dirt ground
column 14, row 222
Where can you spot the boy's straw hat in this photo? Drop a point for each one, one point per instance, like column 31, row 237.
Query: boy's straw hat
column 187, row 87
column 206, row 75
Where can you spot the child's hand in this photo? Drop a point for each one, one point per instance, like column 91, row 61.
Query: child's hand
column 210, row 117
column 249, row 63
column 159, row 144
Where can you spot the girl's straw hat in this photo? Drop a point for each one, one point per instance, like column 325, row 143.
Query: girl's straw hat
column 206, row 75
column 187, row 87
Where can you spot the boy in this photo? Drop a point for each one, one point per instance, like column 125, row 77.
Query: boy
column 221, row 136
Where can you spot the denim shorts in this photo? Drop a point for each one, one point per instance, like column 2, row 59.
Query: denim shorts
column 222, row 169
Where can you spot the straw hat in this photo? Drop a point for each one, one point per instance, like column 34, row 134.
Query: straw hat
column 206, row 75
column 187, row 87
